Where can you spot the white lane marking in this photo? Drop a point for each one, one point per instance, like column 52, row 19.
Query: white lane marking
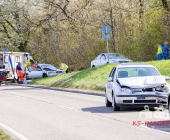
column 67, row 107
column 46, row 102
column 155, row 129
column 13, row 132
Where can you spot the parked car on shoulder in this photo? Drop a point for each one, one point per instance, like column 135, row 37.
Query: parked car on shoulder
column 43, row 70
column 136, row 85
column 114, row 58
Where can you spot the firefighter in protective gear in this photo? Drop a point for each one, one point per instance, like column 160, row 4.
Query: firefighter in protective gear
column 34, row 66
column 159, row 53
column 18, row 68
column 64, row 67
column 19, row 72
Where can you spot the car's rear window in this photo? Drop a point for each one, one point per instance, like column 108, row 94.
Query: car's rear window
column 137, row 72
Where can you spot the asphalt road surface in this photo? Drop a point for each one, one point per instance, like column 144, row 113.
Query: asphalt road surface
column 40, row 114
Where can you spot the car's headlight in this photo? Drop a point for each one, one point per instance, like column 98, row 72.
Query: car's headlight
column 167, row 87
column 125, row 91
column 159, row 88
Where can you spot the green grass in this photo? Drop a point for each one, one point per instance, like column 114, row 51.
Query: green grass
column 3, row 136
column 95, row 78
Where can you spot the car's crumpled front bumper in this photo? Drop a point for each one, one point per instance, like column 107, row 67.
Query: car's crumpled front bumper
column 152, row 99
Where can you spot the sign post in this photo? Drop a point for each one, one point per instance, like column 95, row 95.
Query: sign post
column 106, row 30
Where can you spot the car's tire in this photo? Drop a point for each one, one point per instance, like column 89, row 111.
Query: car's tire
column 44, row 75
column 115, row 107
column 107, row 102
column 93, row 66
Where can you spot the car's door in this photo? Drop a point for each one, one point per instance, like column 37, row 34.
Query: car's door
column 110, row 83
column 103, row 60
column 35, row 73
column 40, row 72
column 96, row 62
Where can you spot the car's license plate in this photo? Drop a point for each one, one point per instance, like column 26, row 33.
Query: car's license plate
column 140, row 97
column 149, row 97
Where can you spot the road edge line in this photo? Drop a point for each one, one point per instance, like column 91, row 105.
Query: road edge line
column 17, row 134
column 60, row 89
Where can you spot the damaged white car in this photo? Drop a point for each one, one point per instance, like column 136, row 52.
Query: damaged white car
column 136, row 85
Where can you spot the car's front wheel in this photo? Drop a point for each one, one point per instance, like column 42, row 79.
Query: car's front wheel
column 44, row 75
column 115, row 107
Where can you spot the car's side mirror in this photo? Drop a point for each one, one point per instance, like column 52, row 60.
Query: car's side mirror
column 166, row 77
column 109, row 79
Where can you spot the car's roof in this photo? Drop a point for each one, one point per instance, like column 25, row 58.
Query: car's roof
column 111, row 53
column 44, row 64
column 125, row 65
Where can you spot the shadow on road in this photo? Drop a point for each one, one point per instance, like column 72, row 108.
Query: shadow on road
column 103, row 109
column 160, row 125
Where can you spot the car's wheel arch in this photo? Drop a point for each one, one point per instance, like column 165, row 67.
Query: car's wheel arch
column 44, row 75
column 169, row 102
column 113, row 94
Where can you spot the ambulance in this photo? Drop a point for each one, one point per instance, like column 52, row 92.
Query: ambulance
column 10, row 60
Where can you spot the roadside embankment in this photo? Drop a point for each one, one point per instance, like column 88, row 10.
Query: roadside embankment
column 93, row 79
column 4, row 136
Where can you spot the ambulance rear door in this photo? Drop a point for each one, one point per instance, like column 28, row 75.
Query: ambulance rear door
column 5, row 60
column 1, row 60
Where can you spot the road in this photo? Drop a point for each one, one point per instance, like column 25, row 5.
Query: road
column 41, row 114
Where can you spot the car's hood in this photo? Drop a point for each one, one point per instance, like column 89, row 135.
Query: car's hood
column 142, row 82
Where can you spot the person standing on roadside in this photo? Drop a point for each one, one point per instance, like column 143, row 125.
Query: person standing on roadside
column 18, row 68
column 165, row 50
column 64, row 67
column 18, row 71
column 159, row 53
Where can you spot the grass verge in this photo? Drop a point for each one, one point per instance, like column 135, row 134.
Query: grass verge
column 95, row 78
column 4, row 136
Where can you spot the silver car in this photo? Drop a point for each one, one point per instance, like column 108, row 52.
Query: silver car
column 112, row 58
column 136, row 85
column 43, row 70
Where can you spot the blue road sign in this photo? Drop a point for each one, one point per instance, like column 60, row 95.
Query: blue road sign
column 106, row 29
column 106, row 36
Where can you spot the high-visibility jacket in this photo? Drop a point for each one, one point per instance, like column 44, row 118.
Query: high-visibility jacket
column 64, row 66
column 159, row 50
column 33, row 66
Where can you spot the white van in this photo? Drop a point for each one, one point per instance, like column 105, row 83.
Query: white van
column 10, row 60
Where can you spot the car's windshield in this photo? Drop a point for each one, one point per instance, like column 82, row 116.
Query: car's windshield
column 49, row 67
column 137, row 72
column 116, row 56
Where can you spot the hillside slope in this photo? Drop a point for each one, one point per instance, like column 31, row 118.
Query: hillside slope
column 94, row 79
